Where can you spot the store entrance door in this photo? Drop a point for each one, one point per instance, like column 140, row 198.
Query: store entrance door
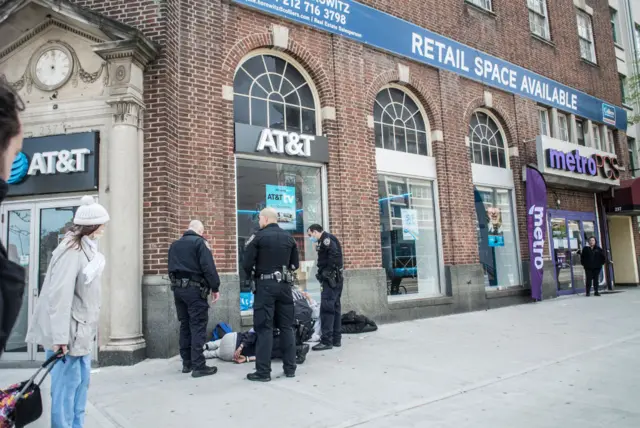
column 31, row 231
column 569, row 233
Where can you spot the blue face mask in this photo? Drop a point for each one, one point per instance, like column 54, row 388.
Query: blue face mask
column 313, row 239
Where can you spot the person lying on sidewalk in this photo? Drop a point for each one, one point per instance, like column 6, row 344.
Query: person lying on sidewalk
column 241, row 348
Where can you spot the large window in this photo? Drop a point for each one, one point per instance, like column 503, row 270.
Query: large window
column 538, row 18
column 258, row 179
column 633, row 159
column 399, row 123
column 585, row 33
column 597, row 139
column 496, row 235
column 270, row 92
column 487, row 143
column 408, row 235
column 623, row 88
column 611, row 147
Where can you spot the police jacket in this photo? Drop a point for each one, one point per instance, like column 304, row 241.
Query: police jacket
column 12, row 284
column 593, row 258
column 269, row 250
column 329, row 252
column 189, row 257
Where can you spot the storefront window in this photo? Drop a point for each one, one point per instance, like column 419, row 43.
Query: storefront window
column 257, row 183
column 497, row 236
column 399, row 124
column 270, row 92
column 408, row 236
column 487, row 145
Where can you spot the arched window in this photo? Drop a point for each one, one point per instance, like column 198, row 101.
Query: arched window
column 399, row 123
column 487, row 141
column 271, row 92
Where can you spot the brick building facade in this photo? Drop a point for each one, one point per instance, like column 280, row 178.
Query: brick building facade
column 189, row 163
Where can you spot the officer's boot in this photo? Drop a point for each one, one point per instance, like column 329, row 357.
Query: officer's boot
column 322, row 347
column 205, row 371
column 255, row 377
column 302, row 352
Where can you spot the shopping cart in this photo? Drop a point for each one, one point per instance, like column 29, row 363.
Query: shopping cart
column 21, row 404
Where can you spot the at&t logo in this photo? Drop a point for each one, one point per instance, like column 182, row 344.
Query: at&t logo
column 19, row 169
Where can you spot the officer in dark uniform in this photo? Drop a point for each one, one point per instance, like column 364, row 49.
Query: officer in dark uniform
column 330, row 277
column 271, row 256
column 193, row 277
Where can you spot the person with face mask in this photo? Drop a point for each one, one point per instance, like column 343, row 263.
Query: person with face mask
column 12, row 275
column 68, row 311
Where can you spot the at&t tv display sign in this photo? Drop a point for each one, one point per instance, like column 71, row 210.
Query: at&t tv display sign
column 372, row 27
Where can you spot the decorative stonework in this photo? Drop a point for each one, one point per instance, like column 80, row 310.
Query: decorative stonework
column 79, row 72
column 127, row 112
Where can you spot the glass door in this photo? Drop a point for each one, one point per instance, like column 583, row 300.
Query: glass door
column 569, row 234
column 31, row 232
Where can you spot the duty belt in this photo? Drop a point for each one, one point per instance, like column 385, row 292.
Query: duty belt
column 185, row 282
column 277, row 276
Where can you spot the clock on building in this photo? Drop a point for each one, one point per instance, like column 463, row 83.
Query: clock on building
column 52, row 67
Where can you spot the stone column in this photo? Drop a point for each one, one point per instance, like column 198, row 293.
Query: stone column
column 127, row 60
column 126, row 343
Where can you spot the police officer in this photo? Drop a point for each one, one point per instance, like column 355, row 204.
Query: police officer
column 193, row 277
column 271, row 255
column 330, row 277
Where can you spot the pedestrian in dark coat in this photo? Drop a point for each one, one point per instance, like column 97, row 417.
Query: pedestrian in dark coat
column 592, row 258
column 12, row 275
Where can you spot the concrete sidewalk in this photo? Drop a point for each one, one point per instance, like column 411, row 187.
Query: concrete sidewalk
column 569, row 362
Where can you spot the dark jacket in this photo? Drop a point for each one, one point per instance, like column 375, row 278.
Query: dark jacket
column 592, row 258
column 329, row 252
column 12, row 286
column 189, row 257
column 269, row 249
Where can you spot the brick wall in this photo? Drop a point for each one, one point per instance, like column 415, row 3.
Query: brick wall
column 189, row 162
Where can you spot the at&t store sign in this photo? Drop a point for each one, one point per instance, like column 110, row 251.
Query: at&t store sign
column 55, row 164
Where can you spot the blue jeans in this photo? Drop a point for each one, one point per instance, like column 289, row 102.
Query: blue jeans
column 69, row 387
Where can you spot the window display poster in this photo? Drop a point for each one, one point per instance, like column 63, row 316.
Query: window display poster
column 409, row 224
column 283, row 200
column 494, row 217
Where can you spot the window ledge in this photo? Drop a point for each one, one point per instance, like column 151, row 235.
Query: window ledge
column 541, row 39
column 487, row 12
column 420, row 302
column 592, row 64
column 517, row 290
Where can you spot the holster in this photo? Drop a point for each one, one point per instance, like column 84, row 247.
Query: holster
column 329, row 277
column 204, row 291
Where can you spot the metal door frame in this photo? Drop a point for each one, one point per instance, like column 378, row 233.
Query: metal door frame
column 35, row 205
column 581, row 217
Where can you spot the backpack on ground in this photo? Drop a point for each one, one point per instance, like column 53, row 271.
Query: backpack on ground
column 220, row 330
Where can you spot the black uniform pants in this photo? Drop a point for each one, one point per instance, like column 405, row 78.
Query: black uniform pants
column 273, row 306
column 593, row 276
column 193, row 314
column 330, row 313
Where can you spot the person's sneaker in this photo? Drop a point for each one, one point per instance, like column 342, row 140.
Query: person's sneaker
column 322, row 347
column 290, row 374
column 205, row 371
column 186, row 369
column 596, row 294
column 255, row 377
column 337, row 343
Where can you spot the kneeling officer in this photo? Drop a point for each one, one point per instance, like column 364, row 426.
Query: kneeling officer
column 274, row 254
column 193, row 276
column 331, row 280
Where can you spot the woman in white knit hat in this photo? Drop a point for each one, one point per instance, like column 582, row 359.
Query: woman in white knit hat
column 68, row 310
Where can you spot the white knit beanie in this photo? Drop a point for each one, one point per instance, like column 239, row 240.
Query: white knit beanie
column 90, row 213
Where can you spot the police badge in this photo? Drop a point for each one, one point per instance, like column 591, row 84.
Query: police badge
column 327, row 242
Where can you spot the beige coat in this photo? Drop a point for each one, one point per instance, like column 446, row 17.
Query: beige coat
column 68, row 310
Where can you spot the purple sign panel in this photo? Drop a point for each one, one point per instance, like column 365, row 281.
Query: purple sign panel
column 536, row 215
